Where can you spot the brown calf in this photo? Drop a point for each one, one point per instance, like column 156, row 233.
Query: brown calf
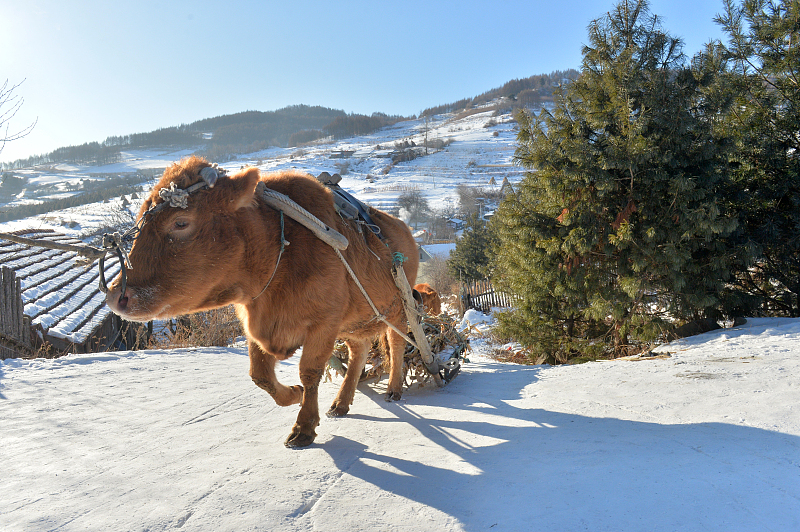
column 430, row 299
column 225, row 247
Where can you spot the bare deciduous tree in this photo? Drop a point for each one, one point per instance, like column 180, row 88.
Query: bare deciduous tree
column 10, row 104
column 415, row 205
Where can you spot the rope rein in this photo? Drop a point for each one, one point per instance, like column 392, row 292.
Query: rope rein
column 284, row 243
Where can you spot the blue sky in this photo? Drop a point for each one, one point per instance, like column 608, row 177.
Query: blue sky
column 93, row 69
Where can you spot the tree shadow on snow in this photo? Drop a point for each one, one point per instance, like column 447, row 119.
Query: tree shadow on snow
column 532, row 469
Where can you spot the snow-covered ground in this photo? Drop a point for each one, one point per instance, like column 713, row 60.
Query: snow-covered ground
column 706, row 438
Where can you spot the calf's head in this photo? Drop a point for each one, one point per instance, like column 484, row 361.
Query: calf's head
column 186, row 259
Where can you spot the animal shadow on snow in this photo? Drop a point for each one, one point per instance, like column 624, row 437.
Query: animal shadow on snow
column 526, row 462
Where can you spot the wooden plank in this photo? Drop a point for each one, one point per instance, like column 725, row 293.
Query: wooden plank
column 409, row 305
column 7, row 275
column 20, row 312
column 13, row 326
column 3, row 311
column 89, row 252
column 13, row 308
column 28, row 332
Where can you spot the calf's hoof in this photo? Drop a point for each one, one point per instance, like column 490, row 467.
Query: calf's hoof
column 338, row 410
column 392, row 396
column 298, row 439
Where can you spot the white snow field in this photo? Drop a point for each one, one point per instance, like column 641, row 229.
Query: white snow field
column 705, row 439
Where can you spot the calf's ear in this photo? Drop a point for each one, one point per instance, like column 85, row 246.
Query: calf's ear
column 243, row 186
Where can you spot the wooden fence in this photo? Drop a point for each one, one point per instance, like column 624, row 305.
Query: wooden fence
column 15, row 328
column 481, row 295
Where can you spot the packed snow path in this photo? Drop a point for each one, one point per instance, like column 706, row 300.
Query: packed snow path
column 707, row 439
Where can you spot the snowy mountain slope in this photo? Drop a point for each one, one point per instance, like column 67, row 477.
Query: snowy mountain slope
column 706, row 439
column 474, row 156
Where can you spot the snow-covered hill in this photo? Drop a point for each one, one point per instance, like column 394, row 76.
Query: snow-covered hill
column 480, row 147
column 707, row 438
column 470, row 153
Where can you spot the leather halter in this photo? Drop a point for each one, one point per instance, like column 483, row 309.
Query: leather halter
column 172, row 197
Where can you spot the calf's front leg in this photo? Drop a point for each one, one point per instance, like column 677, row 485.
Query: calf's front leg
column 316, row 353
column 262, row 371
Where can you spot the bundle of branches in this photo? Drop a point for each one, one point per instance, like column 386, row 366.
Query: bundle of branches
column 445, row 341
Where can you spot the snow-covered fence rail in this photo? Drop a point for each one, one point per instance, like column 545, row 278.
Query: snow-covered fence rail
column 481, row 295
column 15, row 329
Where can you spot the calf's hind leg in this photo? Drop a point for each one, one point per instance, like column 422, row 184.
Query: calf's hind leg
column 355, row 365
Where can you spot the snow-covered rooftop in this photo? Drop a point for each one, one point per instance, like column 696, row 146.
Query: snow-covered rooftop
column 61, row 297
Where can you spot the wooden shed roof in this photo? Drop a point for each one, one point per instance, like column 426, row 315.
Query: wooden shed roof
column 59, row 295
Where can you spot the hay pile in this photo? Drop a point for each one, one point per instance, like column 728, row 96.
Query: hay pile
column 445, row 341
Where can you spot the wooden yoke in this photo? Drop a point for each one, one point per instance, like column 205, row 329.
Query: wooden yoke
column 421, row 341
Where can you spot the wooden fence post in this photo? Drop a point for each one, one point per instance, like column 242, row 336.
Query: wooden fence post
column 482, row 295
column 15, row 335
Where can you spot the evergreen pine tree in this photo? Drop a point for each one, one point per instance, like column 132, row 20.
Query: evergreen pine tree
column 761, row 74
column 470, row 259
column 614, row 231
